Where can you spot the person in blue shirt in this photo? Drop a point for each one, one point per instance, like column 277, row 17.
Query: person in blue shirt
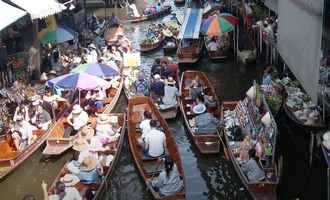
column 267, row 76
column 157, row 87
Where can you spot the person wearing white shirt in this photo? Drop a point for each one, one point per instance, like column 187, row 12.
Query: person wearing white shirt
column 78, row 118
column 155, row 141
column 62, row 192
column 170, row 94
column 22, row 133
column 213, row 45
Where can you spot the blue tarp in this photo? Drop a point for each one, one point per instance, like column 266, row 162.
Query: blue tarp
column 191, row 25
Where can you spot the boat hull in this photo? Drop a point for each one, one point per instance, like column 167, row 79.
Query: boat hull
column 206, row 143
column 149, row 168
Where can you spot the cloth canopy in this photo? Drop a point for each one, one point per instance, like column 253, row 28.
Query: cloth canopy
column 9, row 14
column 40, row 8
column 191, row 24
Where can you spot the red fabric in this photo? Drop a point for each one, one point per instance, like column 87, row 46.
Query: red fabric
column 173, row 70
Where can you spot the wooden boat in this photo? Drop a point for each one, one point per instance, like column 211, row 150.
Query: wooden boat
column 172, row 112
column 146, row 47
column 318, row 125
column 10, row 158
column 101, row 188
column 165, row 11
column 221, row 53
column 264, row 189
column 149, row 167
column 206, row 143
column 190, row 44
column 59, row 140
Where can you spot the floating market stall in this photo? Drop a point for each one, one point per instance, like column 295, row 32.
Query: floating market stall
column 248, row 124
column 299, row 106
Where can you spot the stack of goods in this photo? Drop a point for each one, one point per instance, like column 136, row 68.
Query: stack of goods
column 252, row 121
column 273, row 96
column 153, row 35
column 300, row 103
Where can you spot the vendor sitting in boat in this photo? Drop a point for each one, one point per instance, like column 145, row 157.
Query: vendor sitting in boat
column 195, row 88
column 95, row 99
column 155, row 142
column 251, row 168
column 169, row 180
column 41, row 118
column 78, row 118
column 63, row 190
column 105, row 130
column 170, row 94
column 141, row 86
column 22, row 133
column 213, row 44
column 205, row 122
column 157, row 88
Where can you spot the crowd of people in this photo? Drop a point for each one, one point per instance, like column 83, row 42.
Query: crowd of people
column 162, row 86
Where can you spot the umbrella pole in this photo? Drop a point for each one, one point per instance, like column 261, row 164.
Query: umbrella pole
column 79, row 96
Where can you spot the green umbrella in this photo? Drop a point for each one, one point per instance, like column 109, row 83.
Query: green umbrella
column 59, row 35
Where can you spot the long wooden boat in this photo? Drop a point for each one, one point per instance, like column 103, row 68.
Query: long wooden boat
column 146, row 47
column 264, row 189
column 59, row 141
column 220, row 54
column 206, row 143
column 190, row 42
column 165, row 11
column 318, row 125
column 149, row 167
column 100, row 189
column 10, row 158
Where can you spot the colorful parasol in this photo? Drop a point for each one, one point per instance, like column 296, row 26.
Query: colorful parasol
column 229, row 17
column 81, row 81
column 216, row 25
column 98, row 69
column 59, row 35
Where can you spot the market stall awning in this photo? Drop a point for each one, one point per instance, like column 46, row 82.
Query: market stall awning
column 40, row 8
column 191, row 24
column 9, row 14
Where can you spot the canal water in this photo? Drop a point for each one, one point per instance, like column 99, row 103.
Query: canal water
column 207, row 177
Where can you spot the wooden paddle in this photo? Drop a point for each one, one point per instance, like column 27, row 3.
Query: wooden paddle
column 225, row 150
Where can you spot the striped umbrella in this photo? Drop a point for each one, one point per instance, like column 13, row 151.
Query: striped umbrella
column 216, row 25
column 81, row 81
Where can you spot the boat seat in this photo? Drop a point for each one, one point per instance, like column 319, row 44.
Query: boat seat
column 152, row 168
column 148, row 158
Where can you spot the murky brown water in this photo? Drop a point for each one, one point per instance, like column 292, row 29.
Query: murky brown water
column 207, row 177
